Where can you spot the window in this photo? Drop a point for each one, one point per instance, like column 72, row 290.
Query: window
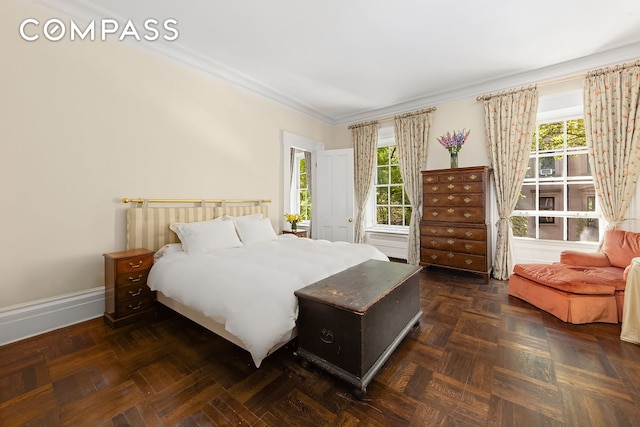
column 390, row 201
column 302, row 196
column 557, row 198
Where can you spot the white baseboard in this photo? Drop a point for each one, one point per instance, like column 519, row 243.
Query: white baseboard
column 27, row 320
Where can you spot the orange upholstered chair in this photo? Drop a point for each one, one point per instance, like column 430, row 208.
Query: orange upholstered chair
column 583, row 287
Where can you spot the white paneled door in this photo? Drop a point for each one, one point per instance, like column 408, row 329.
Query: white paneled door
column 333, row 195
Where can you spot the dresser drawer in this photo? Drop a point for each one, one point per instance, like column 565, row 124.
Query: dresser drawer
column 453, row 259
column 132, row 278
column 129, row 265
column 451, row 176
column 134, row 305
column 454, row 214
column 451, row 187
column 455, row 245
column 132, row 291
column 434, row 200
column 430, row 229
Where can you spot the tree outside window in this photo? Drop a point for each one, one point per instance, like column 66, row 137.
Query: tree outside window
column 392, row 204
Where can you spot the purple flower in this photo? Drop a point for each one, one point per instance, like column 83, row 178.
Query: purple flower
column 453, row 141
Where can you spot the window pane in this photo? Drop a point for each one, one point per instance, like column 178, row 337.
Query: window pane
column 397, row 216
column 395, row 197
column 393, row 155
column 578, row 165
column 520, row 226
column 303, row 180
column 383, row 175
column 383, row 156
column 527, row 199
column 407, row 216
column 583, row 229
column 581, row 197
column 531, row 168
column 303, row 167
column 551, row 230
column 396, row 178
column 551, row 197
column 551, row 136
column 382, row 195
column 576, row 136
column 382, row 215
column 305, row 197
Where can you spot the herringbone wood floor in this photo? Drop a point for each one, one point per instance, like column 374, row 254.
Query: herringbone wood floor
column 478, row 358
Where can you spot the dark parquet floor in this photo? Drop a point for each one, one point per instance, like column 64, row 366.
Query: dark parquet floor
column 478, row 358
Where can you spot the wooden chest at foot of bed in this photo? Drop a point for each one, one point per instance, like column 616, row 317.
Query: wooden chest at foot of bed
column 351, row 322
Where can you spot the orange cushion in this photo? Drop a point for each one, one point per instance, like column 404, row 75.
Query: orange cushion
column 621, row 247
column 566, row 279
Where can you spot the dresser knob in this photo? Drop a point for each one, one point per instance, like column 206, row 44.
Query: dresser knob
column 467, row 187
column 450, row 230
column 451, row 186
column 451, row 210
column 451, row 178
column 451, row 197
column 435, row 200
column 451, row 241
column 473, row 177
column 434, row 243
column 468, row 246
column 434, row 231
column 136, row 265
column 435, row 188
column 135, row 279
column 468, row 261
column 467, row 200
column 434, row 256
column 429, row 179
column 468, row 233
column 450, row 255
column 136, row 307
column 467, row 214
column 434, row 213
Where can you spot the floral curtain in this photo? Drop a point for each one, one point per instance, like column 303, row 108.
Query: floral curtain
column 510, row 122
column 612, row 125
column 412, row 133
column 365, row 142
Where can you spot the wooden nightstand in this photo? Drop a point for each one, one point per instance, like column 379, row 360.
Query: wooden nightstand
column 299, row 233
column 127, row 296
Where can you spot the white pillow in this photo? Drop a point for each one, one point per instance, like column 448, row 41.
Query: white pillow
column 168, row 249
column 251, row 217
column 206, row 236
column 252, row 232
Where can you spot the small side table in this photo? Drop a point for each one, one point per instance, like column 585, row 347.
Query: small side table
column 299, row 233
column 630, row 331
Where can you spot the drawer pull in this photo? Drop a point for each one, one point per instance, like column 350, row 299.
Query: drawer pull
column 135, row 279
column 451, row 197
column 473, row 177
column 434, row 243
column 434, row 257
column 451, row 210
column 434, row 231
column 434, row 213
column 450, row 255
column 468, row 261
column 136, row 307
column 435, row 188
column 136, row 293
column 451, row 178
column 451, row 186
column 435, row 200
column 450, row 230
column 468, row 233
column 326, row 336
column 467, row 214
column 136, row 265
column 468, row 246
column 467, row 187
column 467, row 200
column 429, row 179
column 451, row 241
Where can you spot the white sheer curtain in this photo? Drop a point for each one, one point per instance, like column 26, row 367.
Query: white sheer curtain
column 308, row 163
column 612, row 125
column 411, row 134
column 365, row 143
column 510, row 120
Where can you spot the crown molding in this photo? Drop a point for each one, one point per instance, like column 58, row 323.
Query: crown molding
column 173, row 51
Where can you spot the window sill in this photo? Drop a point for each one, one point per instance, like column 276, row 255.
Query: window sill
column 385, row 230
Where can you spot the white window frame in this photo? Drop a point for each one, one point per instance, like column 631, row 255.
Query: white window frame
column 295, row 195
column 386, row 137
column 561, row 107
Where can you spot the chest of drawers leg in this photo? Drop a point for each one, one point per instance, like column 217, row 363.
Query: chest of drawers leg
column 127, row 296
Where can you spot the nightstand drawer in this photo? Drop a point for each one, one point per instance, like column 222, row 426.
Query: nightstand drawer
column 134, row 306
column 133, row 264
column 132, row 278
column 131, row 291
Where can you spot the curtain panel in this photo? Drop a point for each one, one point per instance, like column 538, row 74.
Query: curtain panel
column 509, row 123
column 612, row 125
column 365, row 143
column 412, row 134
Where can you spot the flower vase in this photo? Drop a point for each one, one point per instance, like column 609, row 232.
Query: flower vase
column 294, row 226
column 454, row 160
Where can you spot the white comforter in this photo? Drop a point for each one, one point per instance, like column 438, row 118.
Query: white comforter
column 251, row 289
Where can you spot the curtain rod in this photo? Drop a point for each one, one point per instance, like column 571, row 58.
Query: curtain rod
column 138, row 200
column 424, row 110
column 506, row 92
column 613, row 68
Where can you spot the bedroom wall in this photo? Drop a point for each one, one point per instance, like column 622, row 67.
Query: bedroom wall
column 84, row 124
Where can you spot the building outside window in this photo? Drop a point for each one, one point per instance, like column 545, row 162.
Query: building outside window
column 389, row 202
column 557, row 198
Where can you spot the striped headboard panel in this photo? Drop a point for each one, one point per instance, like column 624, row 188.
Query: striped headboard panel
column 148, row 227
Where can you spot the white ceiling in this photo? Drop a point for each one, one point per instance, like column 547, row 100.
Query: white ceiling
column 344, row 61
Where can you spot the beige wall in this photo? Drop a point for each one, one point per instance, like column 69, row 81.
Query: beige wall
column 86, row 123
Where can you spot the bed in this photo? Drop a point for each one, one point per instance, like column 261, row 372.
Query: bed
column 221, row 264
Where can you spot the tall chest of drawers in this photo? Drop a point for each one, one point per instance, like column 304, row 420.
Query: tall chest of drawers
column 454, row 231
